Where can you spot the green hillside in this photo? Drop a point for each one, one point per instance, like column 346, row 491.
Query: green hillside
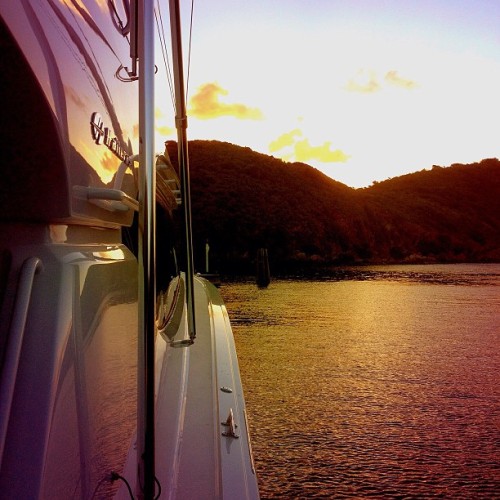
column 243, row 200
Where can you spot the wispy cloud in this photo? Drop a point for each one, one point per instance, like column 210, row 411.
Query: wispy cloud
column 284, row 140
column 161, row 127
column 109, row 162
column 366, row 81
column 165, row 131
column 300, row 149
column 75, row 97
column 207, row 104
column 394, row 78
column 304, row 151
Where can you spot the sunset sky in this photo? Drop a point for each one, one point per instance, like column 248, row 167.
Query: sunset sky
column 362, row 90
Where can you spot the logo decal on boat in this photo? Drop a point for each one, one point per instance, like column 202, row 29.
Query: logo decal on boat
column 103, row 135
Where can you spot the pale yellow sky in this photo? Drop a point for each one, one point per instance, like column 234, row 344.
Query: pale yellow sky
column 360, row 90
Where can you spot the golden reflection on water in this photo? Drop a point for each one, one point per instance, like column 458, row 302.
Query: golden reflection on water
column 379, row 387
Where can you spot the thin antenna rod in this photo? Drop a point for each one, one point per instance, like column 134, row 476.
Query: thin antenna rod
column 182, row 147
column 147, row 255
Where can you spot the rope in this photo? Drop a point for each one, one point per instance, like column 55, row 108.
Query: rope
column 164, row 50
column 189, row 47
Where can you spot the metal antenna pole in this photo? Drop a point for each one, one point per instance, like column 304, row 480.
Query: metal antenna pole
column 147, row 254
column 182, row 147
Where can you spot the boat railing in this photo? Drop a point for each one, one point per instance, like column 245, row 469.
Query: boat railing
column 107, row 198
column 168, row 184
column 171, row 306
column 29, row 269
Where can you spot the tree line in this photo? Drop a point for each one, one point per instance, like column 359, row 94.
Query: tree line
column 243, row 200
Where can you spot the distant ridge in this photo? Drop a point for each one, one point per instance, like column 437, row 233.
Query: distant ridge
column 243, row 200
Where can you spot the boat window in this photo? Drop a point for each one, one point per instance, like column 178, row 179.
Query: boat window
column 120, row 13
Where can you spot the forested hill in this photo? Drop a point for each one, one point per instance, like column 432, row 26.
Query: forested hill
column 243, row 200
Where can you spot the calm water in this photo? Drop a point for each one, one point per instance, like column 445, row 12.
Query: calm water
column 379, row 382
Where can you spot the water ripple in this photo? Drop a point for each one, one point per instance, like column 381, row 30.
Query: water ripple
column 373, row 388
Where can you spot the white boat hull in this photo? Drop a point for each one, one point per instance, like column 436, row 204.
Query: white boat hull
column 69, row 288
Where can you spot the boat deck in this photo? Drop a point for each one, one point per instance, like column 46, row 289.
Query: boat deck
column 194, row 457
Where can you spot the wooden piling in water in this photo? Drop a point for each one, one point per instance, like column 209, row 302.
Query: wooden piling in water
column 263, row 272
